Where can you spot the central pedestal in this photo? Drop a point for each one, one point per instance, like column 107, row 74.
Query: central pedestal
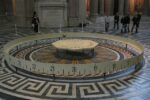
column 75, row 48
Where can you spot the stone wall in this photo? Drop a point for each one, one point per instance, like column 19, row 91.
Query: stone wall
column 24, row 11
column 56, row 13
column 52, row 13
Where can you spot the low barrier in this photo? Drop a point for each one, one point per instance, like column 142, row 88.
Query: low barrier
column 71, row 70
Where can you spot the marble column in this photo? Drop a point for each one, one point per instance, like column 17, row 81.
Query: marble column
column 101, row 7
column 94, row 8
column 121, row 7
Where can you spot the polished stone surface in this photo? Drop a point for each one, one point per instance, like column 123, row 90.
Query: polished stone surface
column 135, row 86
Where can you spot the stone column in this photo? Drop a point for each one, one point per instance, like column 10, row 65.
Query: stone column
column 29, row 9
column 94, row 8
column 82, row 10
column 2, row 7
column 24, row 11
column 126, row 6
column 20, row 12
column 146, row 7
column 121, row 7
column 101, row 7
column 73, row 12
column 109, row 8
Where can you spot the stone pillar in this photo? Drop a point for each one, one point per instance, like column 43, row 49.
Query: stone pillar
column 29, row 9
column 109, row 8
column 126, row 6
column 121, row 7
column 2, row 8
column 73, row 12
column 20, row 12
column 146, row 7
column 82, row 10
column 94, row 9
column 24, row 11
column 101, row 7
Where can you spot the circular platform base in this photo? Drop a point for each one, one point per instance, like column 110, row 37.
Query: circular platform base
column 48, row 54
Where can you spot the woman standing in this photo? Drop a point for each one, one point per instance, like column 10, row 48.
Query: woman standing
column 35, row 22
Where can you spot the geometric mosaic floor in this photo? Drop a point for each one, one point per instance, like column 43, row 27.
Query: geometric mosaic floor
column 14, row 86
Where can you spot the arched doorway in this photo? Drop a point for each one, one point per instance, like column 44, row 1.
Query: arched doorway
column 136, row 6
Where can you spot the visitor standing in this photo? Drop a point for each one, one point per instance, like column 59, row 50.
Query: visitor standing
column 107, row 20
column 135, row 23
column 116, row 21
column 123, row 24
column 139, row 18
column 54, row 77
column 35, row 22
column 104, row 75
column 127, row 20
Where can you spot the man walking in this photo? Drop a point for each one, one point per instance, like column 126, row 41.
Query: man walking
column 127, row 20
column 123, row 24
column 135, row 23
column 116, row 21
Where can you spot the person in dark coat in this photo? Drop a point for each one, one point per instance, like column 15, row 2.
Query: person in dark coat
column 138, row 18
column 35, row 22
column 116, row 21
column 123, row 24
column 127, row 22
column 135, row 23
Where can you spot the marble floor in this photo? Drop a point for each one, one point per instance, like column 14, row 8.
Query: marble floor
column 133, row 86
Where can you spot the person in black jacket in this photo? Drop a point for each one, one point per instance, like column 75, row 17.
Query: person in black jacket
column 116, row 21
column 35, row 22
column 138, row 18
column 135, row 23
column 127, row 22
column 123, row 24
